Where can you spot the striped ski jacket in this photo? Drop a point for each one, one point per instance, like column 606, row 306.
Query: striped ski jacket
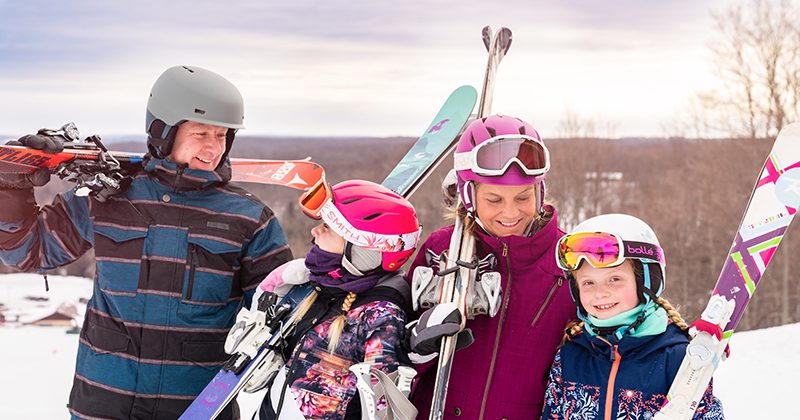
column 176, row 255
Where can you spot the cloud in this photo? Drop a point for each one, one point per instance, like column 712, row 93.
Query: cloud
column 345, row 66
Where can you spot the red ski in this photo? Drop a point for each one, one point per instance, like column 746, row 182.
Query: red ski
column 79, row 161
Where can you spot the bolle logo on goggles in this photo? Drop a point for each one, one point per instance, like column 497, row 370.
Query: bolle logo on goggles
column 643, row 250
column 640, row 251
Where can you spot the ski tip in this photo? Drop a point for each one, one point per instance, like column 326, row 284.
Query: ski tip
column 466, row 90
column 792, row 129
column 486, row 34
column 505, row 37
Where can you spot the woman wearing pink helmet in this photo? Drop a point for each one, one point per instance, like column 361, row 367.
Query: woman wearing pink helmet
column 501, row 163
column 357, row 310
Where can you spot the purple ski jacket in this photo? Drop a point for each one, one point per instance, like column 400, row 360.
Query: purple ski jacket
column 503, row 374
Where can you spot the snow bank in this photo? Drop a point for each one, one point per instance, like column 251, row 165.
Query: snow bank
column 756, row 383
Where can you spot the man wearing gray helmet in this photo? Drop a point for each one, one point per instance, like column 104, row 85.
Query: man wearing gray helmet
column 177, row 253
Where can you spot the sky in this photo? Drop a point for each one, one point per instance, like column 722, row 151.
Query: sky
column 355, row 67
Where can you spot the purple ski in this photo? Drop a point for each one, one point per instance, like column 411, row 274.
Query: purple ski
column 773, row 204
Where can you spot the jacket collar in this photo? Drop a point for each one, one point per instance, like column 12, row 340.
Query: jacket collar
column 181, row 178
column 527, row 251
column 629, row 345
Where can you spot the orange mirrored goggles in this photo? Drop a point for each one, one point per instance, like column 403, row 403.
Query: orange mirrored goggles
column 312, row 201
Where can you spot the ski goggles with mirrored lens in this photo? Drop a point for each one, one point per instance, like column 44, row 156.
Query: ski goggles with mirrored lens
column 601, row 249
column 312, row 201
column 494, row 156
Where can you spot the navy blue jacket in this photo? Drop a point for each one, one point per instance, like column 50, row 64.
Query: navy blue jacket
column 640, row 369
column 176, row 255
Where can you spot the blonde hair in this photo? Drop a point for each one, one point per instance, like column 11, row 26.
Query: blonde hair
column 576, row 327
column 335, row 331
column 303, row 308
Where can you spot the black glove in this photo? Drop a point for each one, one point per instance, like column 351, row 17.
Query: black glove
column 36, row 178
column 39, row 177
column 425, row 335
column 48, row 144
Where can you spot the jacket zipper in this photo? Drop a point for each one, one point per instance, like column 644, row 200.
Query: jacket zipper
column 178, row 175
column 192, row 265
column 506, row 299
column 612, row 377
column 556, row 285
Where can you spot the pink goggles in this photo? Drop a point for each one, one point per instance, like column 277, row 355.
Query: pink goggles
column 493, row 157
column 602, row 249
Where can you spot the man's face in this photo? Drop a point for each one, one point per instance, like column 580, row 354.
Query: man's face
column 199, row 145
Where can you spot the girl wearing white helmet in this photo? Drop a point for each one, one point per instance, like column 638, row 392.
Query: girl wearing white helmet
column 621, row 358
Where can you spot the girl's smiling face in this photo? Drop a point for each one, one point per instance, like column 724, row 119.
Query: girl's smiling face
column 606, row 292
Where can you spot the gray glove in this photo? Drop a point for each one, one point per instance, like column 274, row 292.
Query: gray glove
column 426, row 333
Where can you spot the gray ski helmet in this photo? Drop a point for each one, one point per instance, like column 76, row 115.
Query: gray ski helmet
column 188, row 93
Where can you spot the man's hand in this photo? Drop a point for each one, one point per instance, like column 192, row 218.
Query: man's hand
column 425, row 334
column 39, row 177
column 48, row 144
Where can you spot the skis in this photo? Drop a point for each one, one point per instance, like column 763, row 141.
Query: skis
column 772, row 206
column 251, row 345
column 436, row 142
column 459, row 266
column 83, row 162
column 257, row 348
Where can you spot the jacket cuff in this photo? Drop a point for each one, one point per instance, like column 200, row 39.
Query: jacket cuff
column 19, row 207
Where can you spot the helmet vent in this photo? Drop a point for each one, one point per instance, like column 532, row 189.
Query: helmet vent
column 372, row 216
column 351, row 200
column 188, row 69
column 492, row 131
column 199, row 111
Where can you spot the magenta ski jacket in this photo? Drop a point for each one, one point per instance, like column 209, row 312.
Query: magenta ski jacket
column 503, row 374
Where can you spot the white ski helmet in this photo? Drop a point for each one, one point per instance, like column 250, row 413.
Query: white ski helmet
column 639, row 243
column 188, row 93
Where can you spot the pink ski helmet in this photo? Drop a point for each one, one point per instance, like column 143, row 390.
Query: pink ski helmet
column 499, row 150
column 380, row 227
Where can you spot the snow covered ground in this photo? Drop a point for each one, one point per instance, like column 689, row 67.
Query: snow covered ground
column 758, row 382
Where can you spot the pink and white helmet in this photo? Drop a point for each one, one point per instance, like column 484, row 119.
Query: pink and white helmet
column 380, row 226
column 499, row 150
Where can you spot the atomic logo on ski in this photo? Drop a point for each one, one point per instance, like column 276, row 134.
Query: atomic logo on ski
column 21, row 158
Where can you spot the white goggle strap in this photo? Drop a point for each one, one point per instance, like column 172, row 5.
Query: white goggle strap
column 377, row 241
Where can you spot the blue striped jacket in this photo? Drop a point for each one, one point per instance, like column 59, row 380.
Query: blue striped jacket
column 176, row 255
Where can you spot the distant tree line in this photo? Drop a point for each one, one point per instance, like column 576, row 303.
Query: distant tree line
column 692, row 192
